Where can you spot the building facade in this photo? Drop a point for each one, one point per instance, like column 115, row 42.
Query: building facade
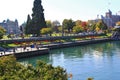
column 10, row 26
column 110, row 19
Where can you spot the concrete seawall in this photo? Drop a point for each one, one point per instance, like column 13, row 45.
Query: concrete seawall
column 76, row 43
column 19, row 53
column 28, row 54
column 45, row 48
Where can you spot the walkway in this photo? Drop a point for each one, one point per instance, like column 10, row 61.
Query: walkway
column 19, row 50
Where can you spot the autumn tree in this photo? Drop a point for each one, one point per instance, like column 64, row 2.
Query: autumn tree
column 84, row 25
column 118, row 23
column 78, row 22
column 101, row 25
column 78, row 29
column 91, row 25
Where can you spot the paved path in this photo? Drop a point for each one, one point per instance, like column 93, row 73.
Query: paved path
column 19, row 50
column 43, row 47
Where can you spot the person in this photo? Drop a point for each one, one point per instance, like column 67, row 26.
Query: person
column 4, row 51
column 37, row 47
column 24, row 47
column 13, row 50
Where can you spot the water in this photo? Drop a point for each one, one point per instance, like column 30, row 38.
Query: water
column 100, row 61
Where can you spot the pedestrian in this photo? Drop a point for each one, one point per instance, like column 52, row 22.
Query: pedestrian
column 24, row 47
column 4, row 51
column 13, row 50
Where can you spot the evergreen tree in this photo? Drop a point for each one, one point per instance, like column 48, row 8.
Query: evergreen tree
column 28, row 25
column 38, row 20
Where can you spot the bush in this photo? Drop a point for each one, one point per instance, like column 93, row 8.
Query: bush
column 10, row 69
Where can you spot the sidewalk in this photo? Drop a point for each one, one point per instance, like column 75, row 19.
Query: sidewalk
column 19, row 50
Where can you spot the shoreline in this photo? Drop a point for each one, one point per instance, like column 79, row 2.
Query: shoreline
column 45, row 49
column 76, row 43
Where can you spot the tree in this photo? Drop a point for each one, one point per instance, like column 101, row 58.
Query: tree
column 78, row 22
column 10, row 69
column 68, row 24
column 101, row 25
column 84, row 25
column 49, row 23
column 38, row 21
column 2, row 32
column 28, row 27
column 118, row 23
column 77, row 29
column 46, row 31
column 92, row 25
column 55, row 26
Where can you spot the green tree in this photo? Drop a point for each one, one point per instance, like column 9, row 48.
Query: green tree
column 38, row 20
column 10, row 69
column 28, row 27
column 78, row 29
column 49, row 23
column 46, row 31
column 2, row 32
column 68, row 24
column 92, row 27
column 55, row 26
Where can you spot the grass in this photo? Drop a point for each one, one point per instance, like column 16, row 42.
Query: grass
column 109, row 34
column 48, row 42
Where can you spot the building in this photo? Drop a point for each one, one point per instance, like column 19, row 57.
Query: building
column 110, row 19
column 10, row 26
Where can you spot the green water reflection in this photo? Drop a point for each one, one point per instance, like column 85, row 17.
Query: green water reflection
column 100, row 61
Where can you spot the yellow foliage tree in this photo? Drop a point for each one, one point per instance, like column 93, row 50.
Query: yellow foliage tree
column 97, row 29
column 118, row 23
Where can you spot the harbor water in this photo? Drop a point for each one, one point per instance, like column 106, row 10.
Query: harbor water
column 100, row 61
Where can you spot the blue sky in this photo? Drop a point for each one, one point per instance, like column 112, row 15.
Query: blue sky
column 58, row 9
